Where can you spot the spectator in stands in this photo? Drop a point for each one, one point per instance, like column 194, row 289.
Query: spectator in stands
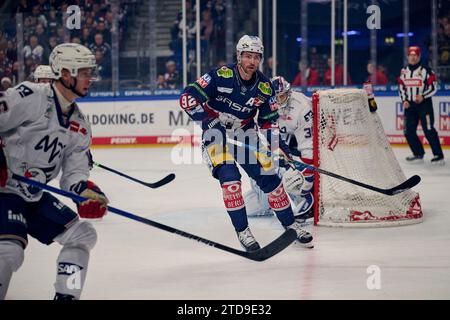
column 338, row 75
column 43, row 40
column 269, row 67
column 33, row 49
column 5, row 84
column 5, row 65
column 317, row 62
column 103, row 66
column 3, row 41
column 100, row 44
column 86, row 37
column 172, row 76
column 101, row 28
column 161, row 82
column 381, row 78
column 311, row 76
column 11, row 51
column 52, row 23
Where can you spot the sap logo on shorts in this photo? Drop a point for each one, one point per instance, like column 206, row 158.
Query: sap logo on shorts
column 66, row 268
column 444, row 116
column 16, row 217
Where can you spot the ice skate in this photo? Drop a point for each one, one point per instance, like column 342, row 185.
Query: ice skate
column 438, row 160
column 304, row 238
column 247, row 240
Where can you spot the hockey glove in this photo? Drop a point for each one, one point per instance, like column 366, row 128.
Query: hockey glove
column 293, row 181
column 96, row 205
column 3, row 167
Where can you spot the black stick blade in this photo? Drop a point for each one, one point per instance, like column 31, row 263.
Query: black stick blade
column 276, row 246
column 161, row 182
column 408, row 184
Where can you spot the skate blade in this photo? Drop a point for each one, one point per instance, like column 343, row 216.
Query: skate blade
column 309, row 245
column 438, row 163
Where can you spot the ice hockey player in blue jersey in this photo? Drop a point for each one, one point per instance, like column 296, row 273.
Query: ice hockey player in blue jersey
column 232, row 104
column 295, row 122
column 43, row 133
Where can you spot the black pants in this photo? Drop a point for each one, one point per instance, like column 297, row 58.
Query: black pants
column 424, row 113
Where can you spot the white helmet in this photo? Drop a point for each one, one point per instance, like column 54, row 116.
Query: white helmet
column 250, row 44
column 71, row 56
column 43, row 72
column 282, row 90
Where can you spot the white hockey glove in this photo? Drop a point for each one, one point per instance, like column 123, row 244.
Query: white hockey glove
column 293, row 181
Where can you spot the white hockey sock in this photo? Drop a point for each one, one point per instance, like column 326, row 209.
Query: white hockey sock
column 73, row 259
column 11, row 258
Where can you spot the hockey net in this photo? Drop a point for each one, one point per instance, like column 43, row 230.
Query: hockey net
column 349, row 140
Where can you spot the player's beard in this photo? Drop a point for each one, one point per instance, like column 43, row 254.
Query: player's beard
column 246, row 71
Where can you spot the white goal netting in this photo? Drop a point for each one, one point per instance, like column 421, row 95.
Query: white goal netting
column 349, row 140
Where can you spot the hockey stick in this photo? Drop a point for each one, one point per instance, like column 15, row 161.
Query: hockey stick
column 404, row 186
column 153, row 185
column 276, row 246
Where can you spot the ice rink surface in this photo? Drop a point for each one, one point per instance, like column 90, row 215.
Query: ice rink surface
column 136, row 261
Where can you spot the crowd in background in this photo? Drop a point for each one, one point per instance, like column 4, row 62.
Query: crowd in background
column 44, row 28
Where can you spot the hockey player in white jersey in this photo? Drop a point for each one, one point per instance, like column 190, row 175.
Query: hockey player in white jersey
column 44, row 132
column 43, row 74
column 295, row 121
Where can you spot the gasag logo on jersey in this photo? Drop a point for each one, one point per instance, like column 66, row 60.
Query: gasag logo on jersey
column 265, row 88
column 233, row 105
column 225, row 72
column 204, row 80
column 444, row 116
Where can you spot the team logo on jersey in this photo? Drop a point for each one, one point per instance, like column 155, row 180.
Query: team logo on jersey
column 265, row 88
column 204, row 80
column 225, row 72
column 444, row 116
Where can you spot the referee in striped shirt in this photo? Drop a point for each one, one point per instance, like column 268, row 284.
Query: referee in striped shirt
column 417, row 84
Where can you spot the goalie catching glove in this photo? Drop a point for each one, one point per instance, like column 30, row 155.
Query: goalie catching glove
column 96, row 205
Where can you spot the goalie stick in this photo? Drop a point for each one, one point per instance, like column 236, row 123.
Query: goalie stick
column 276, row 246
column 404, row 186
column 153, row 185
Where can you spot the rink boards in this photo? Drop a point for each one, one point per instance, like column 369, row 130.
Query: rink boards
column 159, row 121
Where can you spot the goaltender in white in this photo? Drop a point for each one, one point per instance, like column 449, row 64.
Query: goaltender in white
column 295, row 121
